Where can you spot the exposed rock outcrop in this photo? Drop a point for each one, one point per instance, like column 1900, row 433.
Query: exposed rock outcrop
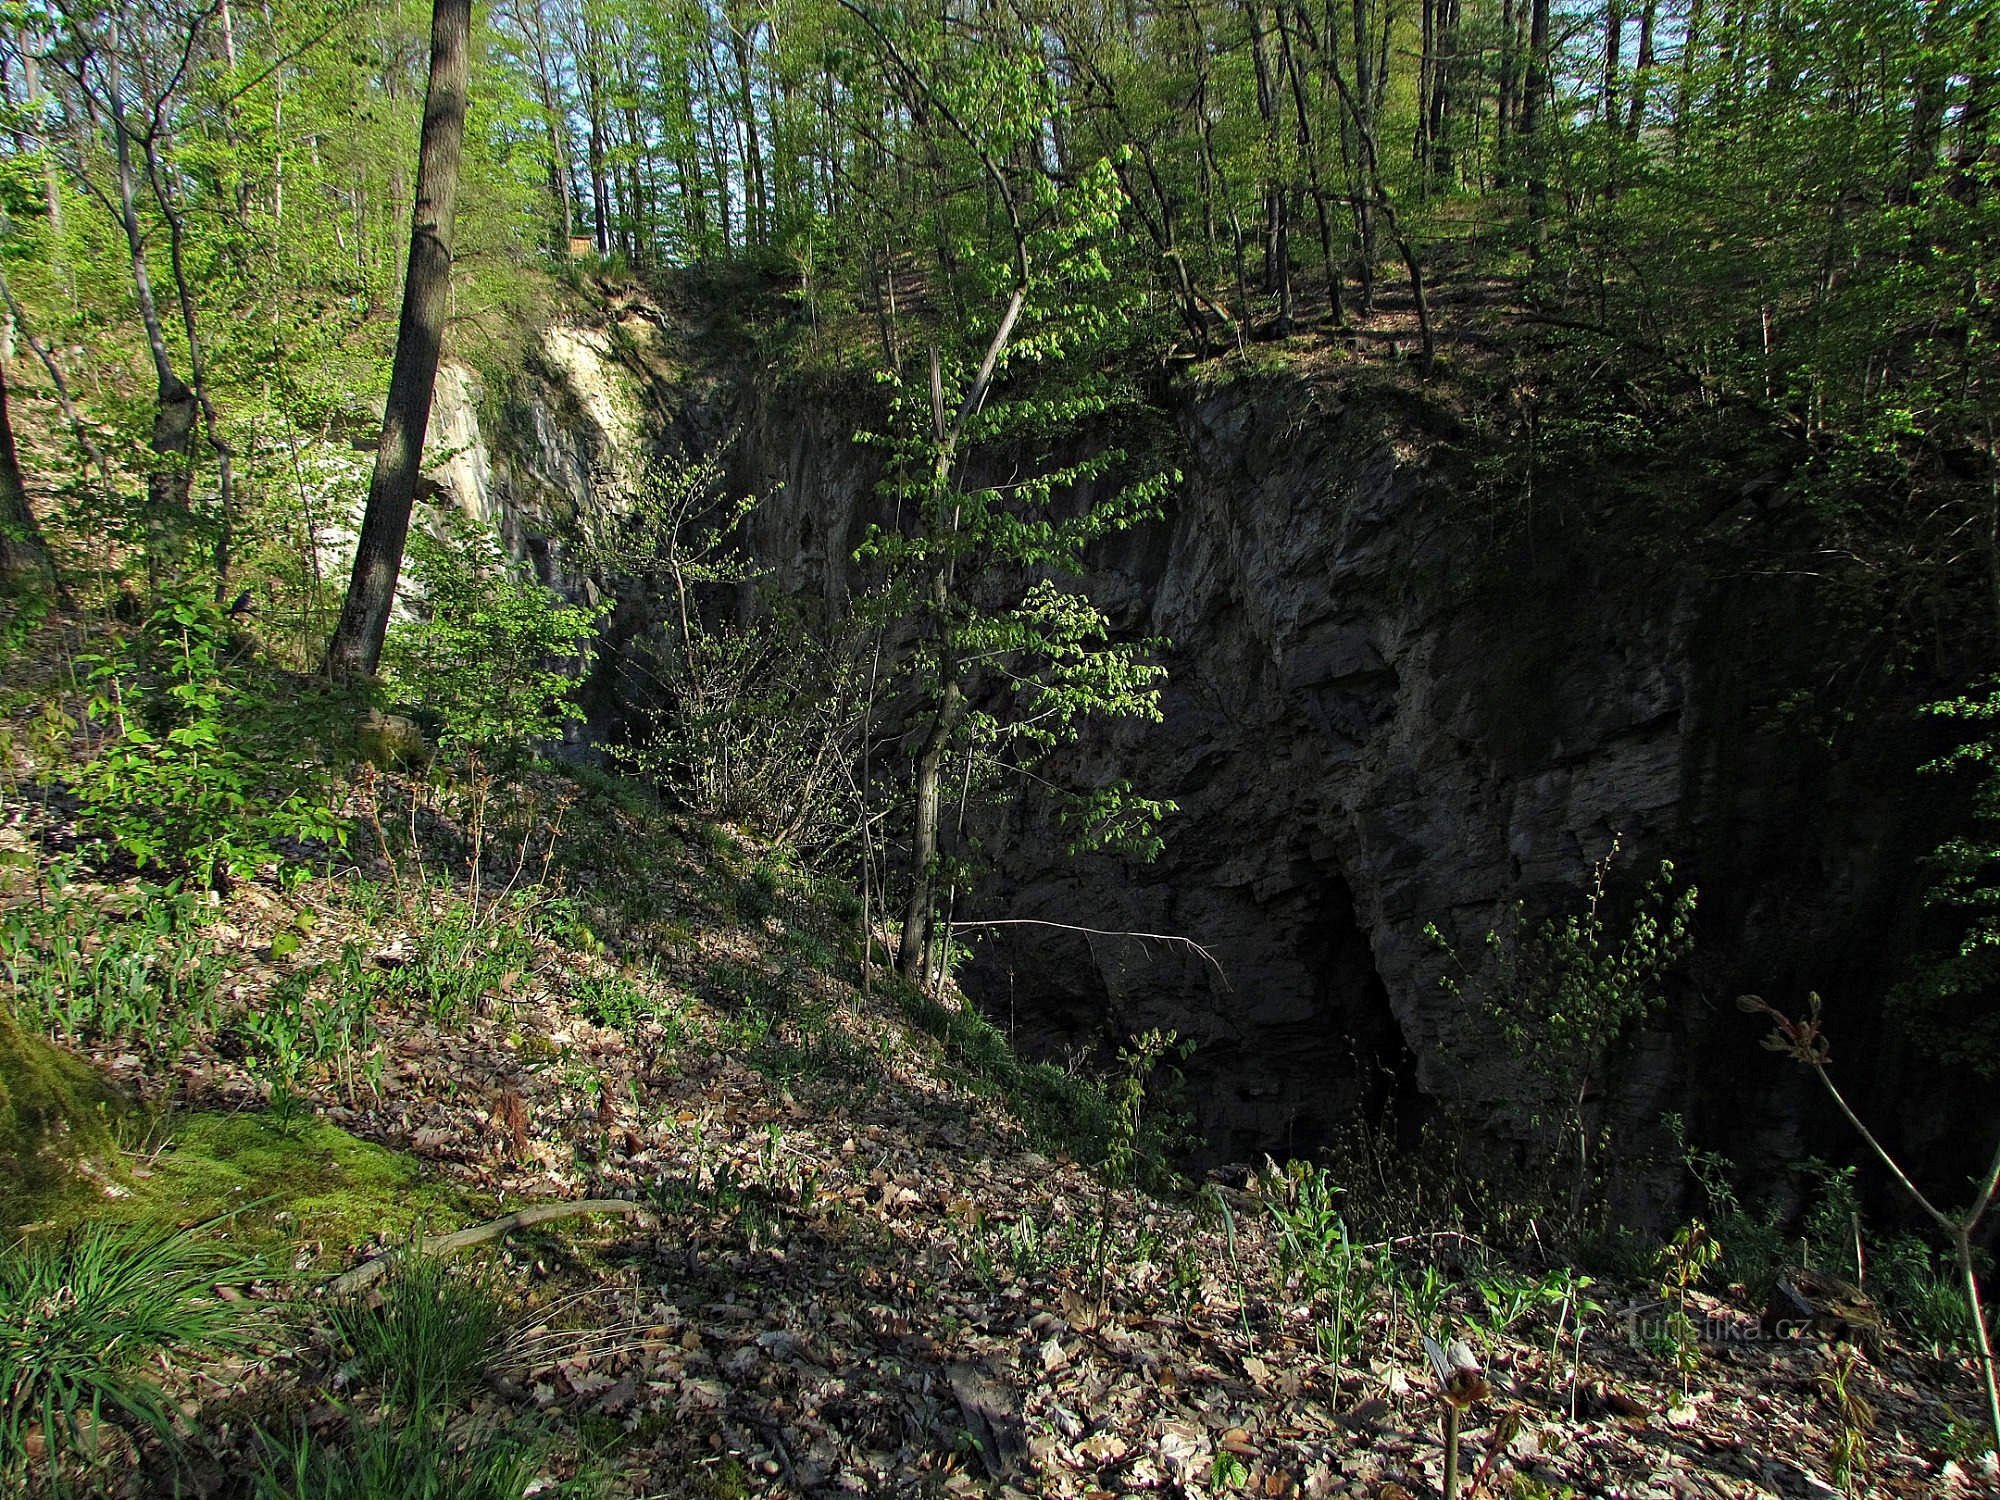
column 1384, row 710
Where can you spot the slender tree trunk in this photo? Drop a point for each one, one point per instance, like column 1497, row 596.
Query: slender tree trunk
column 1691, row 43
column 1445, row 43
column 51, row 183
column 1308, row 147
column 24, row 553
column 1614, row 48
column 1534, row 91
column 600, row 189
column 170, row 476
column 1642, row 70
column 1360, row 108
column 757, row 205
column 356, row 649
column 913, row 953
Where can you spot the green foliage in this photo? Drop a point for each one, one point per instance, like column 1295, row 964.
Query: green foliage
column 1564, row 992
column 1683, row 1263
column 84, row 1325
column 142, row 972
column 1854, row 1418
column 207, row 766
column 318, row 1023
column 1946, row 1002
column 1922, row 1290
column 465, row 952
column 614, row 1000
column 1060, row 1110
column 493, row 654
column 408, row 1460
column 427, row 1339
column 1332, row 1273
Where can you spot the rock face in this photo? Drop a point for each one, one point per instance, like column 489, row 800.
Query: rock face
column 1381, row 713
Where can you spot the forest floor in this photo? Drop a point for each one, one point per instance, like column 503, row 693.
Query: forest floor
column 873, row 1257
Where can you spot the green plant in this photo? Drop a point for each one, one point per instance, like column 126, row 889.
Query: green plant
column 1804, row 1040
column 1314, row 1248
column 204, row 768
column 426, row 1338
column 494, row 654
column 747, row 719
column 319, row 1022
column 142, row 971
column 1924, row 1295
column 1965, row 1441
column 1854, row 1418
column 1125, row 1140
column 612, row 1000
column 1562, row 993
column 407, row 1460
column 1575, row 1308
column 1682, row 1264
column 85, row 1325
column 1754, row 1249
column 464, row 953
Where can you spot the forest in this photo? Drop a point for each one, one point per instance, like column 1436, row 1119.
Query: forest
column 1024, row 747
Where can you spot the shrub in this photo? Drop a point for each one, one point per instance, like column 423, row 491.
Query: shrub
column 493, row 653
column 207, row 767
column 1564, row 992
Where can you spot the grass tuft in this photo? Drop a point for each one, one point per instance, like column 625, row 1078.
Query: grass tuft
column 426, row 1339
column 82, row 1320
column 411, row 1460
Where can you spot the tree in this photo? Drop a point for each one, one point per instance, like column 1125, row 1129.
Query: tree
column 24, row 555
column 356, row 648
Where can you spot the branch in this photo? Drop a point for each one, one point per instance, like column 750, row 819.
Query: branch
column 370, row 1271
column 1172, row 938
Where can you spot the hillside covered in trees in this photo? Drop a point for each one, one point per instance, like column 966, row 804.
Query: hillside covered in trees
column 1230, row 748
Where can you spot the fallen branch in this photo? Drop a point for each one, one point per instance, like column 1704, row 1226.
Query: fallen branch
column 370, row 1271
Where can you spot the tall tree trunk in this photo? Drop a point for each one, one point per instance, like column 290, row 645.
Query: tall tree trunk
column 1534, row 91
column 1503, row 111
column 1614, row 48
column 356, row 648
column 1361, row 111
column 1691, row 42
column 757, row 207
column 169, row 475
column 1308, row 148
column 1445, row 43
column 593, row 102
column 51, row 183
column 1642, row 70
column 24, row 554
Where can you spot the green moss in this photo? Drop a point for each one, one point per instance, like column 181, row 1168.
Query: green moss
column 314, row 1182
column 313, row 1186
column 55, row 1115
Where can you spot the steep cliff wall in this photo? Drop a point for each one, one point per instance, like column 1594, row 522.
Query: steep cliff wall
column 1385, row 709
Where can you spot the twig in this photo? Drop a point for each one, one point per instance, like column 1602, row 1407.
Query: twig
column 1145, row 937
column 371, row 1271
